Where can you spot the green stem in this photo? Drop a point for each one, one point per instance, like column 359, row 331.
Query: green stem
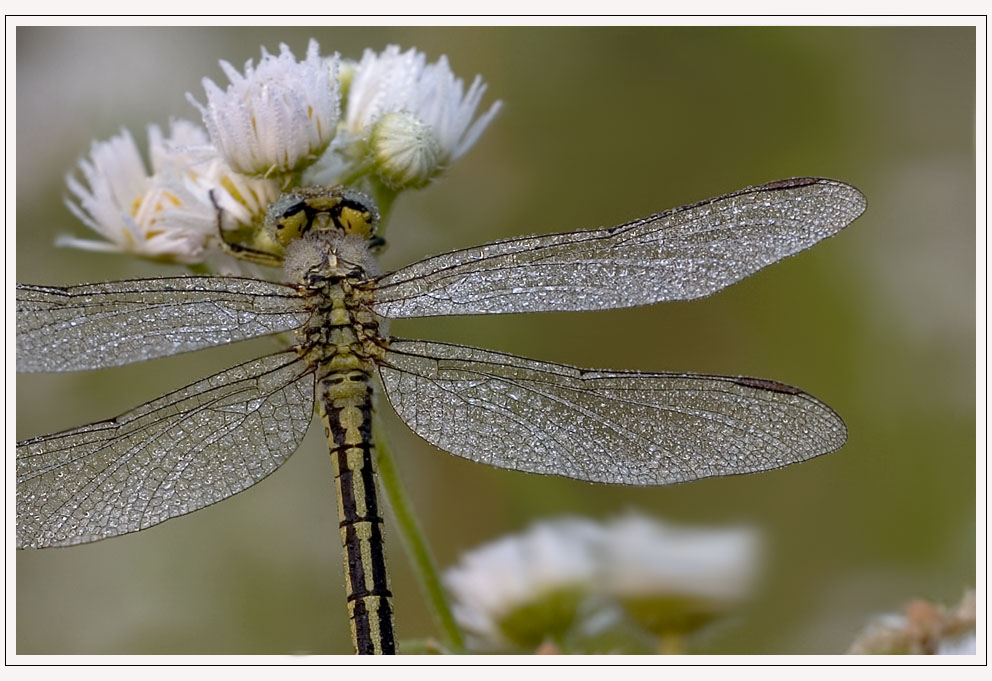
column 671, row 644
column 416, row 546
column 384, row 197
column 355, row 173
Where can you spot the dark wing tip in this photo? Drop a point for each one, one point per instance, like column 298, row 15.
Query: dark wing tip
column 789, row 183
column 767, row 384
column 833, row 431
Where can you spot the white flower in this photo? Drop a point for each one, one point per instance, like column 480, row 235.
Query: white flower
column 125, row 207
column 673, row 580
column 167, row 214
column 923, row 628
column 437, row 127
column 562, row 577
column 276, row 118
column 643, row 556
column 493, row 581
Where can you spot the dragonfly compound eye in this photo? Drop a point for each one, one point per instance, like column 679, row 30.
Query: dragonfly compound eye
column 295, row 208
column 355, row 220
column 357, row 213
column 287, row 219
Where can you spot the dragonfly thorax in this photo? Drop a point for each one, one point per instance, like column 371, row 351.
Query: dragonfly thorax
column 329, row 256
column 336, row 270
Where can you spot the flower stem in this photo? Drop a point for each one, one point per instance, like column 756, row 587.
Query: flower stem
column 355, row 173
column 416, row 547
column 384, row 197
column 671, row 644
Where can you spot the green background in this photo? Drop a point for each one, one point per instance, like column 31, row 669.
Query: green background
column 599, row 126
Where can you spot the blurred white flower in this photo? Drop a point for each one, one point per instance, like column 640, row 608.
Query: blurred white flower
column 923, row 628
column 674, row 579
column 437, row 125
column 276, row 118
column 646, row 555
column 167, row 214
column 666, row 579
column 538, row 573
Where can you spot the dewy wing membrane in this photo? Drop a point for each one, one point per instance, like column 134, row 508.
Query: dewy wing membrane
column 94, row 326
column 171, row 456
column 616, row 427
column 681, row 254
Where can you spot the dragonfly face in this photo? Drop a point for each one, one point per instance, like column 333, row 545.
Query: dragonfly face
column 310, row 210
column 212, row 439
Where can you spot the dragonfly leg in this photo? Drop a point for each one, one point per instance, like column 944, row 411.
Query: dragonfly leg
column 239, row 250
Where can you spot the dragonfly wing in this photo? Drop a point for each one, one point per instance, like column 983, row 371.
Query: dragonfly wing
column 103, row 325
column 681, row 254
column 168, row 457
column 614, row 427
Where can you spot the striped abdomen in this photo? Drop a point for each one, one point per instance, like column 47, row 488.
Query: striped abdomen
column 345, row 405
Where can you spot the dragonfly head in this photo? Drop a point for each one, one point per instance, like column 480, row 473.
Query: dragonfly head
column 309, row 210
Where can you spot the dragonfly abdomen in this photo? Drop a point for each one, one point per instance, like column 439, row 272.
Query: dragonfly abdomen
column 345, row 406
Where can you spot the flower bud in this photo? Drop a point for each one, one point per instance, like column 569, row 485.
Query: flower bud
column 406, row 153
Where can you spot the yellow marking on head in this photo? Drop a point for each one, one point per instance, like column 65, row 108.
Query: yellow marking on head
column 290, row 227
column 355, row 221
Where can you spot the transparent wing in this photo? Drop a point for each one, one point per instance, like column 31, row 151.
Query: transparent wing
column 684, row 253
column 104, row 325
column 168, row 457
column 603, row 426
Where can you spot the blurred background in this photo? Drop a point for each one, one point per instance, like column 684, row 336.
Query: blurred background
column 600, row 126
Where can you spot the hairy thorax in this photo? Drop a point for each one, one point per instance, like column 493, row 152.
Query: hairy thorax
column 342, row 334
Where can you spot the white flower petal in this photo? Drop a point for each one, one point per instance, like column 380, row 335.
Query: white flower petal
column 494, row 579
column 116, row 181
column 171, row 214
column 396, row 82
column 278, row 116
column 644, row 556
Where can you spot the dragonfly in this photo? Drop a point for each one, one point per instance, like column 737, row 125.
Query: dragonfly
column 203, row 443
